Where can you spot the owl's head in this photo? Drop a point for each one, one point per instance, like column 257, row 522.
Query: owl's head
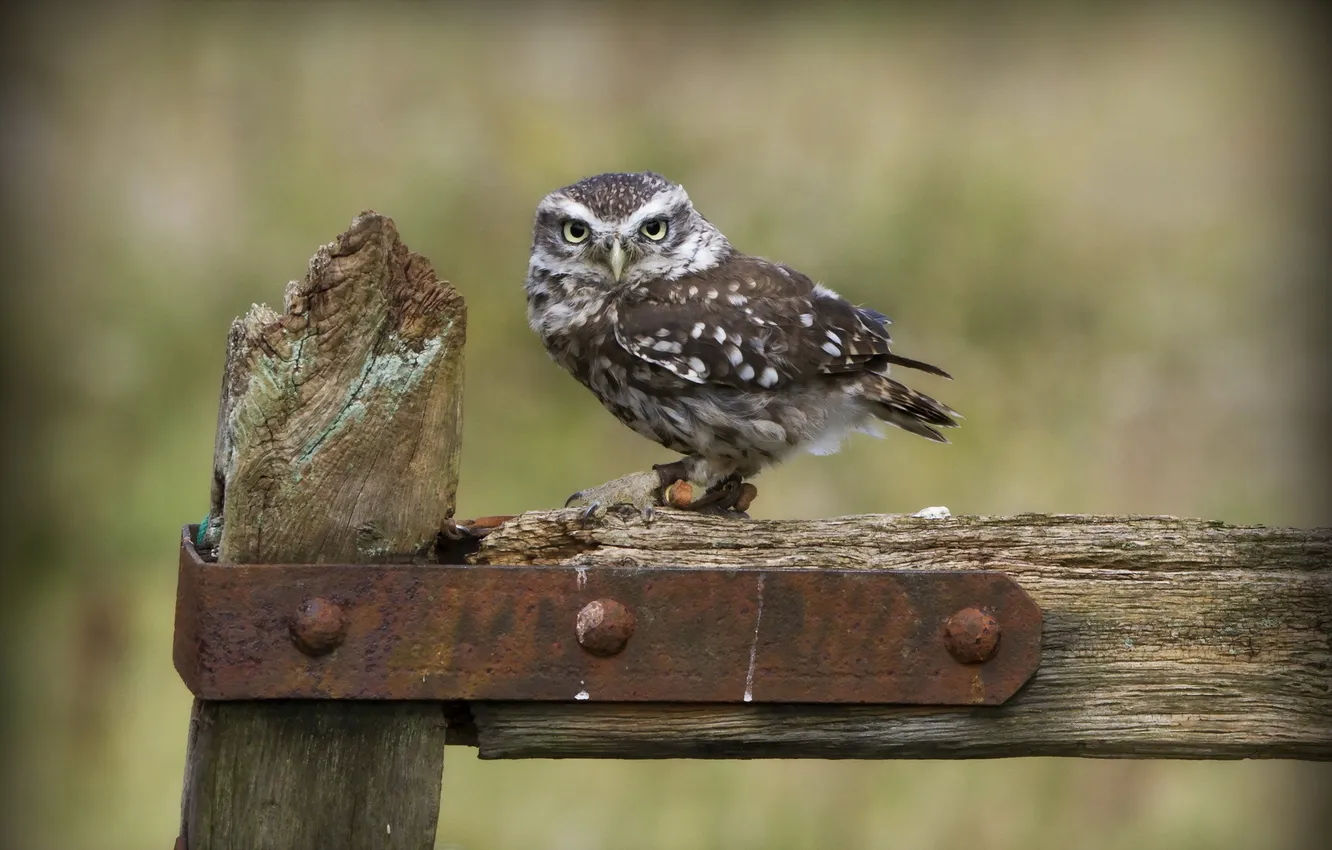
column 623, row 230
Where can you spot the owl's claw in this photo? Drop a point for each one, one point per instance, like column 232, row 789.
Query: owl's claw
column 638, row 493
column 644, row 492
column 590, row 513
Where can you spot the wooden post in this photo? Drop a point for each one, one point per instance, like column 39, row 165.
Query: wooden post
column 1163, row 638
column 338, row 439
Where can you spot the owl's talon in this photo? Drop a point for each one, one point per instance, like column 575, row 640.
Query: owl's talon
column 590, row 514
column 632, row 494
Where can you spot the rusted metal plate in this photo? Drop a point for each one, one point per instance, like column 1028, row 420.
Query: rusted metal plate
column 659, row 634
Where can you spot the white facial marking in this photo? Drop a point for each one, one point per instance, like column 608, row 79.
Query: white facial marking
column 569, row 208
column 705, row 256
column 661, row 203
column 768, row 378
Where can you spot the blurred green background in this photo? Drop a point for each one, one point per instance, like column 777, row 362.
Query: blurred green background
column 1100, row 221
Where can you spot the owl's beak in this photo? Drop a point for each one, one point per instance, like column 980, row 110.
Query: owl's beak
column 617, row 257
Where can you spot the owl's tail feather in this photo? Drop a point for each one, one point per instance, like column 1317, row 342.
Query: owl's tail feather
column 898, row 404
column 921, row 365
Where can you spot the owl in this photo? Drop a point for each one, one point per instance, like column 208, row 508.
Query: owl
column 733, row 361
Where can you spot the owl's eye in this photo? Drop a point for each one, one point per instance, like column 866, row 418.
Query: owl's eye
column 654, row 229
column 575, row 231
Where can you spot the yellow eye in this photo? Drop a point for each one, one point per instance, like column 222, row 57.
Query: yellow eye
column 654, row 229
column 575, row 231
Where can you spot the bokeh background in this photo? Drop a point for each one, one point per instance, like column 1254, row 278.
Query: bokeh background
column 1102, row 220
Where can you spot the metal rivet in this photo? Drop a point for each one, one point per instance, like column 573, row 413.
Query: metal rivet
column 971, row 635
column 319, row 626
column 604, row 626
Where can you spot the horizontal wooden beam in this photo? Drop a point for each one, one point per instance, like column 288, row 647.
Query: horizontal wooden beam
column 1163, row 637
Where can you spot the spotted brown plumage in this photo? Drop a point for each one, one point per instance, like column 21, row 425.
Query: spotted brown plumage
column 731, row 360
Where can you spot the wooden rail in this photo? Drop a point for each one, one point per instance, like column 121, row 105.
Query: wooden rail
column 1163, row 637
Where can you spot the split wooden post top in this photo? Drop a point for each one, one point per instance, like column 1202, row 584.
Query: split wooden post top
column 339, row 428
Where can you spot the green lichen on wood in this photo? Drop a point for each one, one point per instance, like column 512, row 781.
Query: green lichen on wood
column 344, row 399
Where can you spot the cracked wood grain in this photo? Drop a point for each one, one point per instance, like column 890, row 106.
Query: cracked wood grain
column 1163, row 637
column 338, row 440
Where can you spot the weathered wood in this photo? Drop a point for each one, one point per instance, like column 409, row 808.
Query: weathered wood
column 1163, row 637
column 338, row 440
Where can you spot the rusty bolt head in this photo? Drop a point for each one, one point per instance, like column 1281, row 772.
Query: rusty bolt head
column 971, row 635
column 319, row 626
column 604, row 626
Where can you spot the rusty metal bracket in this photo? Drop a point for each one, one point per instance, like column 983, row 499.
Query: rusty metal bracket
column 609, row 634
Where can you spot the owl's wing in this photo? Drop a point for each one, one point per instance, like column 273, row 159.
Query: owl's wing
column 750, row 323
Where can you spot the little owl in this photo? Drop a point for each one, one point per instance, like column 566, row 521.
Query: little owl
column 733, row 361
